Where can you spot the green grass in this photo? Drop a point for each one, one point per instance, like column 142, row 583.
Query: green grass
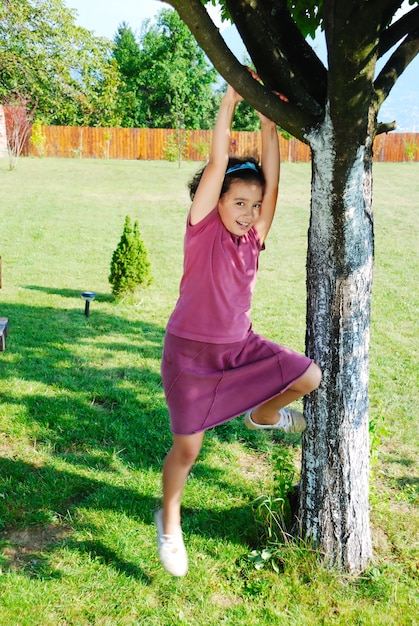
column 84, row 427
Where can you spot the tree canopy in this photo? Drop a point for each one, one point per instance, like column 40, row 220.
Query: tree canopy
column 128, row 58
column 167, row 82
column 64, row 69
column 277, row 30
column 72, row 77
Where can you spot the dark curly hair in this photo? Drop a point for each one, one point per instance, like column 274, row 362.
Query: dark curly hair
column 249, row 175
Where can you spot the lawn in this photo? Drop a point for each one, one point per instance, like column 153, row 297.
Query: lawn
column 84, row 427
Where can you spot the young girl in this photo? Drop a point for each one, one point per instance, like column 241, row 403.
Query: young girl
column 214, row 367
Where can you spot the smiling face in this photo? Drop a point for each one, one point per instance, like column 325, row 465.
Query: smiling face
column 239, row 207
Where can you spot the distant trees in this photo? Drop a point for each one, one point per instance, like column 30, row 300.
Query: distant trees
column 63, row 69
column 245, row 117
column 128, row 58
column 163, row 79
column 166, row 80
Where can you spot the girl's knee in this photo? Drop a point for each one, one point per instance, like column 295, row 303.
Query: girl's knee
column 309, row 381
column 187, row 456
column 313, row 377
column 186, row 449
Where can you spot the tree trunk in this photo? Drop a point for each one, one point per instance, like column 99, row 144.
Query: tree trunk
column 334, row 510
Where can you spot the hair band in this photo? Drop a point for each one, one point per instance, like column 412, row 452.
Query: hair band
column 242, row 166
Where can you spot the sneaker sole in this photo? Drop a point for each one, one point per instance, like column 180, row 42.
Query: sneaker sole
column 297, row 426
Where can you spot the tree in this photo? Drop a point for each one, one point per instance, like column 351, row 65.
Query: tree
column 128, row 57
column 334, row 110
column 175, row 79
column 63, row 69
column 130, row 267
column 18, row 117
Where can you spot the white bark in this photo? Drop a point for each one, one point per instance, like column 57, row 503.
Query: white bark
column 334, row 510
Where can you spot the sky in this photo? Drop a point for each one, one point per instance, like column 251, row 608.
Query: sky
column 104, row 16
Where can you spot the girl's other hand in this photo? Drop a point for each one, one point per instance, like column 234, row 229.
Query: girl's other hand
column 257, row 77
column 232, row 94
column 254, row 74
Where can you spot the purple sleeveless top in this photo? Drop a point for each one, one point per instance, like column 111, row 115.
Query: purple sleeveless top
column 219, row 276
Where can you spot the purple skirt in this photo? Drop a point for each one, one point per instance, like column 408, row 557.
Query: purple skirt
column 207, row 384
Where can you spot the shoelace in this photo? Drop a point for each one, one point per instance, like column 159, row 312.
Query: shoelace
column 285, row 418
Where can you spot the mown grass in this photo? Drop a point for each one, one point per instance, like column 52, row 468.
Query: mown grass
column 84, row 427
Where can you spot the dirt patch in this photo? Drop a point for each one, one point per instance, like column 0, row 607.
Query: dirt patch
column 225, row 601
column 28, row 545
column 254, row 466
column 380, row 541
column 13, row 449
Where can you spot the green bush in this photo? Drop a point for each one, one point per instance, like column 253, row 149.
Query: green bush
column 130, row 266
column 38, row 137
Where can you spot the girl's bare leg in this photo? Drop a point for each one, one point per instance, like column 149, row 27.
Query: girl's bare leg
column 186, row 448
column 176, row 468
column 267, row 413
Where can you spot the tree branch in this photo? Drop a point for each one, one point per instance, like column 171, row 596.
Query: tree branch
column 405, row 25
column 387, row 10
column 292, row 118
column 294, row 68
column 396, row 65
column 385, row 127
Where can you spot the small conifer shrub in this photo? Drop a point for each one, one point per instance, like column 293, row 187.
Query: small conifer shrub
column 130, row 266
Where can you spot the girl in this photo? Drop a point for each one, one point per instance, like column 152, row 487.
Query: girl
column 214, row 367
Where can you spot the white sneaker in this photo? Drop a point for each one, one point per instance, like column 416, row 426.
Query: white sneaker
column 172, row 552
column 290, row 421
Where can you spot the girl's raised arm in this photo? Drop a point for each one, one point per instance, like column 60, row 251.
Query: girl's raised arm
column 270, row 166
column 209, row 188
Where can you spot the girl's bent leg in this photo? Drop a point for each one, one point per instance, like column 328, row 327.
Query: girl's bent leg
column 267, row 413
column 176, row 468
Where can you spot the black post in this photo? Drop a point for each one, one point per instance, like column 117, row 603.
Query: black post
column 87, row 296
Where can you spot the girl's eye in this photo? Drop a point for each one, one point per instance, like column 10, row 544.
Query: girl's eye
column 257, row 206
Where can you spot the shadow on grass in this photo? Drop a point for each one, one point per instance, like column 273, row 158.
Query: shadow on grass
column 80, row 412
column 68, row 398
column 42, row 501
column 69, row 293
column 91, row 414
column 38, row 495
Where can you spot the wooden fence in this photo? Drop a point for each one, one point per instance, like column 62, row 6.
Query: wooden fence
column 158, row 144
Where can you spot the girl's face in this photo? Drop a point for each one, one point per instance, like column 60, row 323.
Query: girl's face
column 239, row 207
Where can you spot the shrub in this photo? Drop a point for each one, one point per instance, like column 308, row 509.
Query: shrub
column 19, row 115
column 176, row 146
column 38, row 137
column 130, row 266
column 411, row 147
